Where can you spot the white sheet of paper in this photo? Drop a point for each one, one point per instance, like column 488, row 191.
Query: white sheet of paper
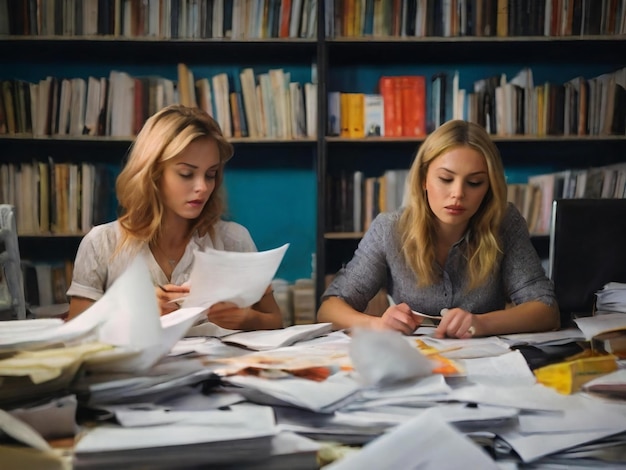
column 524, row 397
column 260, row 422
column 315, row 396
column 385, row 357
column 510, row 368
column 468, row 348
column 534, row 446
column 426, row 442
column 132, row 320
column 208, row 328
column 228, row 276
column 596, row 416
column 548, row 337
column 20, row 338
column 263, row 340
column 592, row 326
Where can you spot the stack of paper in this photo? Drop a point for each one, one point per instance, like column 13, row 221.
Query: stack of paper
column 215, row 437
column 611, row 298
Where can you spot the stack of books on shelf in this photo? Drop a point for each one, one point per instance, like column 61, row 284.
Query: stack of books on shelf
column 58, row 197
column 581, row 106
column 534, row 199
column 357, row 199
column 397, row 110
column 267, row 104
column 504, row 107
column 424, row 18
column 163, row 19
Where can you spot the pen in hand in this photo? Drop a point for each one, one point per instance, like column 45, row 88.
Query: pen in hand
column 178, row 301
column 419, row 314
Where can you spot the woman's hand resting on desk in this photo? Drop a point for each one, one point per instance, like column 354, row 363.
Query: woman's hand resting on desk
column 167, row 294
column 455, row 323
column 400, row 318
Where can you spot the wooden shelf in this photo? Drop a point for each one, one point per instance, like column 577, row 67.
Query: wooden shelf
column 532, row 139
column 538, row 49
column 126, row 51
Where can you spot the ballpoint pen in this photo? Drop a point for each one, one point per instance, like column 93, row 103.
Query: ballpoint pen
column 419, row 314
column 178, row 301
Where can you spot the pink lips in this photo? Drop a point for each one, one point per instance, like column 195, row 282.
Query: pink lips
column 196, row 202
column 455, row 209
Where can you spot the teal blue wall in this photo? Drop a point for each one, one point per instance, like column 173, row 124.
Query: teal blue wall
column 278, row 206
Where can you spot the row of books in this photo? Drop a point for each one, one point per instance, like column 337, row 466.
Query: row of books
column 268, row 105
column 59, row 197
column 163, row 19
column 534, row 198
column 450, row 18
column 355, row 199
column 116, row 105
column 398, row 110
column 580, row 106
column 45, row 284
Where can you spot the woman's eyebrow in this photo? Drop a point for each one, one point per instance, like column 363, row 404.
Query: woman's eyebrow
column 482, row 172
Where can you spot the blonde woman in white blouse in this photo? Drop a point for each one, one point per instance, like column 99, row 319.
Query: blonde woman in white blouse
column 170, row 194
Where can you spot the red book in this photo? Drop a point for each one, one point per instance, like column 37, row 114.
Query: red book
column 413, row 97
column 392, row 111
column 285, row 17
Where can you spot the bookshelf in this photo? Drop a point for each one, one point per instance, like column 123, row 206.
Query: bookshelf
column 269, row 180
column 354, row 63
column 289, row 178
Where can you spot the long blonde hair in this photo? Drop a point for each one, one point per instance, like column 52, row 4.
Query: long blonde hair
column 164, row 136
column 417, row 221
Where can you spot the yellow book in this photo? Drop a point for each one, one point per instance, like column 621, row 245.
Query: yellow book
column 541, row 125
column 356, row 118
column 569, row 376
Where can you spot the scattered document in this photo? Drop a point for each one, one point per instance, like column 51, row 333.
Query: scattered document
column 227, row 276
column 610, row 385
column 592, row 326
column 208, row 328
column 426, row 442
column 132, row 321
column 262, row 340
column 34, row 334
column 56, row 418
column 547, row 338
column 324, row 397
column 384, row 357
column 466, row 348
column 510, row 368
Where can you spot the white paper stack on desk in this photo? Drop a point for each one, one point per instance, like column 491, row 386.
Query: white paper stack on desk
column 611, row 298
column 242, row 433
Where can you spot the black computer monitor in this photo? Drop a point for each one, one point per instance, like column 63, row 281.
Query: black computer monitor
column 587, row 250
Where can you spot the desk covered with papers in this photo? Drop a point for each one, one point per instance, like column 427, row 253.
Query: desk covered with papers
column 273, row 399
column 124, row 386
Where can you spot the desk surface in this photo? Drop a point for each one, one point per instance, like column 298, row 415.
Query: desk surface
column 360, row 413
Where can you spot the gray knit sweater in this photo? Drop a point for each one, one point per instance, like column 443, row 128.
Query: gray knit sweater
column 378, row 262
